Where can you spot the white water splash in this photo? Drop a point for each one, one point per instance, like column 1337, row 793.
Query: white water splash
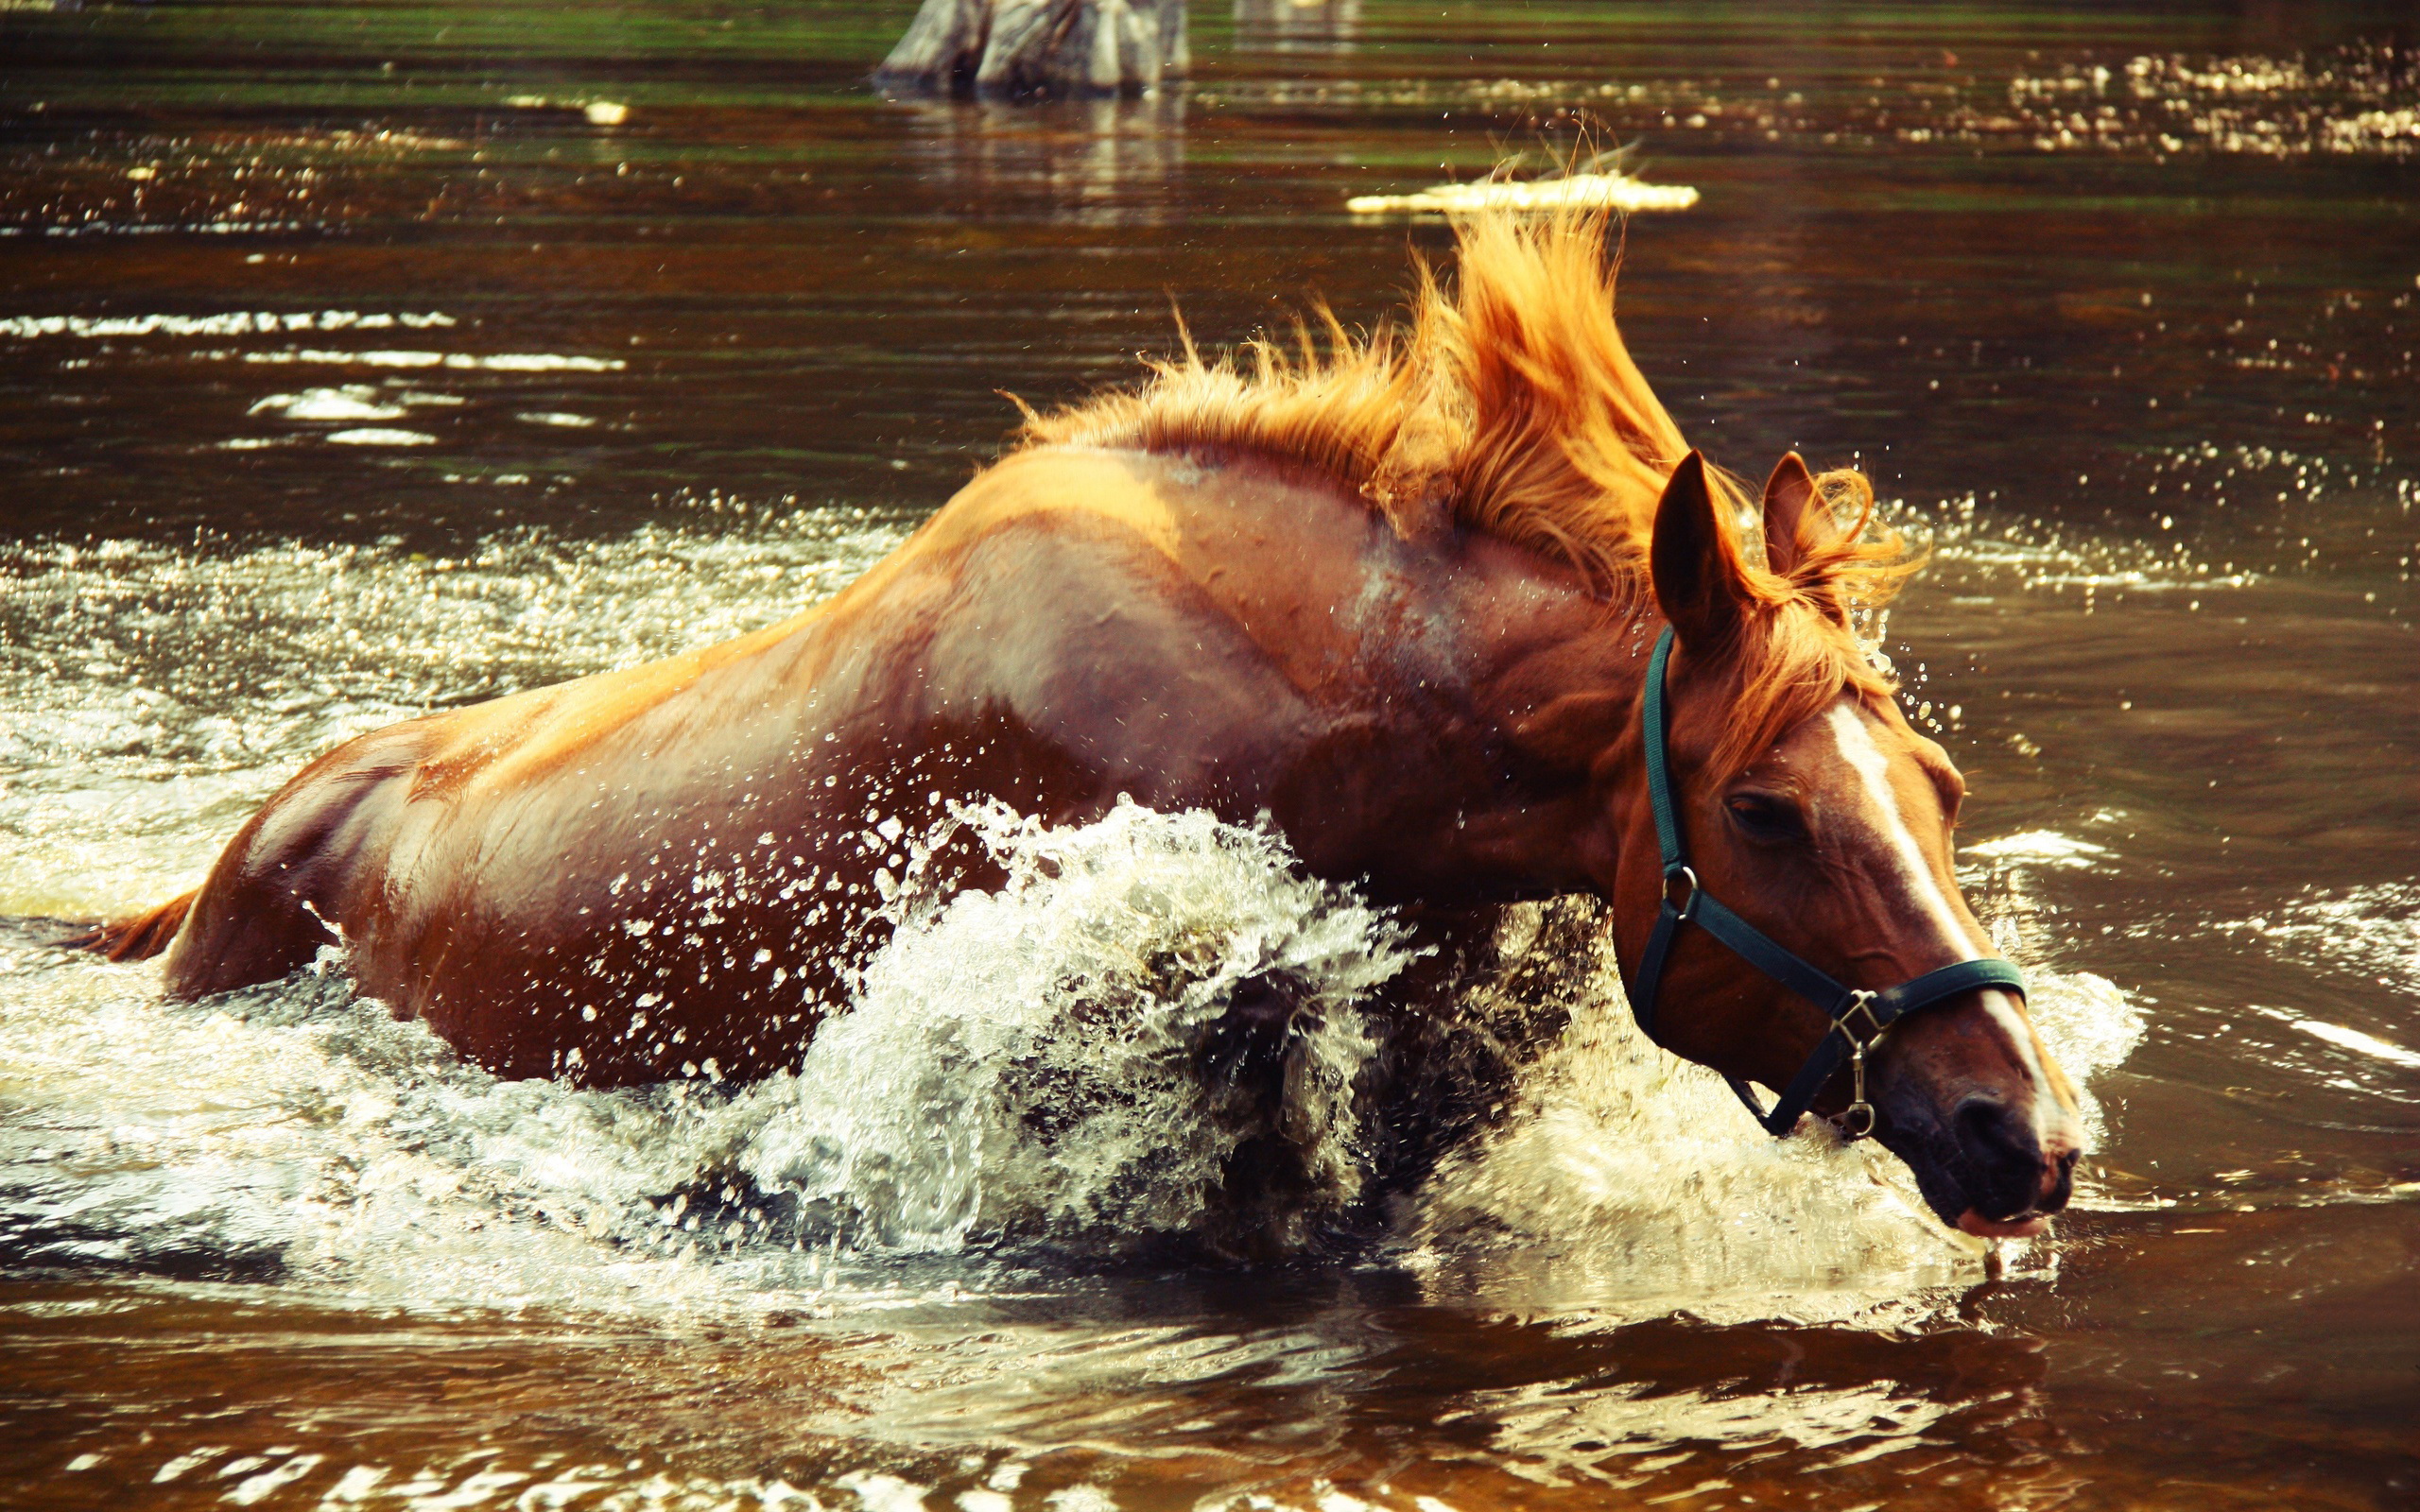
column 299, row 1131
column 1017, row 1068
column 1631, row 1180
column 1029, row 1061
column 1025, row 1065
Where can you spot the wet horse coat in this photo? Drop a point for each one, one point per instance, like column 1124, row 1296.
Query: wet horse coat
column 691, row 848
column 1394, row 597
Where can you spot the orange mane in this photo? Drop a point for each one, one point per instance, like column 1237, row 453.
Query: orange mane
column 1510, row 405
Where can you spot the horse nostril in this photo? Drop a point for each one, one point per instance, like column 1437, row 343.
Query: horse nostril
column 2008, row 1164
column 2058, row 1181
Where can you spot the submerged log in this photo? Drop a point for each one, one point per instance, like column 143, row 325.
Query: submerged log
column 1022, row 47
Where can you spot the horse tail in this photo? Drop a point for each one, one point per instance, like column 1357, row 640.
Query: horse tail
column 138, row 938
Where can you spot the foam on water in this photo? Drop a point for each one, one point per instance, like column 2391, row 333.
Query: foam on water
column 1034, row 1065
column 1635, row 1180
column 1032, row 1060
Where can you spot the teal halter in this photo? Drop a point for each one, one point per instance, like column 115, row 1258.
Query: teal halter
column 1845, row 1006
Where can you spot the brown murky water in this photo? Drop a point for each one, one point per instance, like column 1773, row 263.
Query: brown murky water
column 362, row 359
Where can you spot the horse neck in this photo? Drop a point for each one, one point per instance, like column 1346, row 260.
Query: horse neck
column 1552, row 681
column 1479, row 680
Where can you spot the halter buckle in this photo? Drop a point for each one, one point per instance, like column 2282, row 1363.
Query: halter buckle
column 1857, row 1120
column 1690, row 895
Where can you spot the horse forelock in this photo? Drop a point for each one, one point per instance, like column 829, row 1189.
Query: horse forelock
column 1794, row 663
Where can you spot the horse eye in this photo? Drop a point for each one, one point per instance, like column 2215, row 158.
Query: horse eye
column 1765, row 817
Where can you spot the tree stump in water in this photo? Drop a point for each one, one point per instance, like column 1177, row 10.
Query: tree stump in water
column 1039, row 47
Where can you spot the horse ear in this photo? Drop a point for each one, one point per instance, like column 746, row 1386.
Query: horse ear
column 1701, row 581
column 1789, row 493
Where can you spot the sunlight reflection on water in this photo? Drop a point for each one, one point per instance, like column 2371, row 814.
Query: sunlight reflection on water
column 2118, row 314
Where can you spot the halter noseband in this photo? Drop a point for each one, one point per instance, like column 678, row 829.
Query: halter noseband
column 1848, row 1038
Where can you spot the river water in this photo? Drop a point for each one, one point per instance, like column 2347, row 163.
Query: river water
column 360, row 360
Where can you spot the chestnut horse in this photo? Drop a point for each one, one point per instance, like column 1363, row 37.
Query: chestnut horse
column 1396, row 593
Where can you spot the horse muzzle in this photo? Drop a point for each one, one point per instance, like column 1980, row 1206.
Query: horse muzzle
column 1992, row 1146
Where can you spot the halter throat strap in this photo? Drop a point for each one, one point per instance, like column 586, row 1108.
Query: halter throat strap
column 1859, row 1018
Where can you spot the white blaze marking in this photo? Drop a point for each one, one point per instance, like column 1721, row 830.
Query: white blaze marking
column 1858, row 749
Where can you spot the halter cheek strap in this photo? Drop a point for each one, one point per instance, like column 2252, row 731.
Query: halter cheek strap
column 1859, row 1018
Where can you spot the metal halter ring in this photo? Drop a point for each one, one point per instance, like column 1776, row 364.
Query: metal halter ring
column 1863, row 1002
column 1685, row 876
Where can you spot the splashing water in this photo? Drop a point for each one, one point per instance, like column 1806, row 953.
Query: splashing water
column 159, row 693
column 1632, row 1179
column 1155, row 1029
column 1046, row 1060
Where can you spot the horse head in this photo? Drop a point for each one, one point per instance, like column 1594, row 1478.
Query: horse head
column 1815, row 813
